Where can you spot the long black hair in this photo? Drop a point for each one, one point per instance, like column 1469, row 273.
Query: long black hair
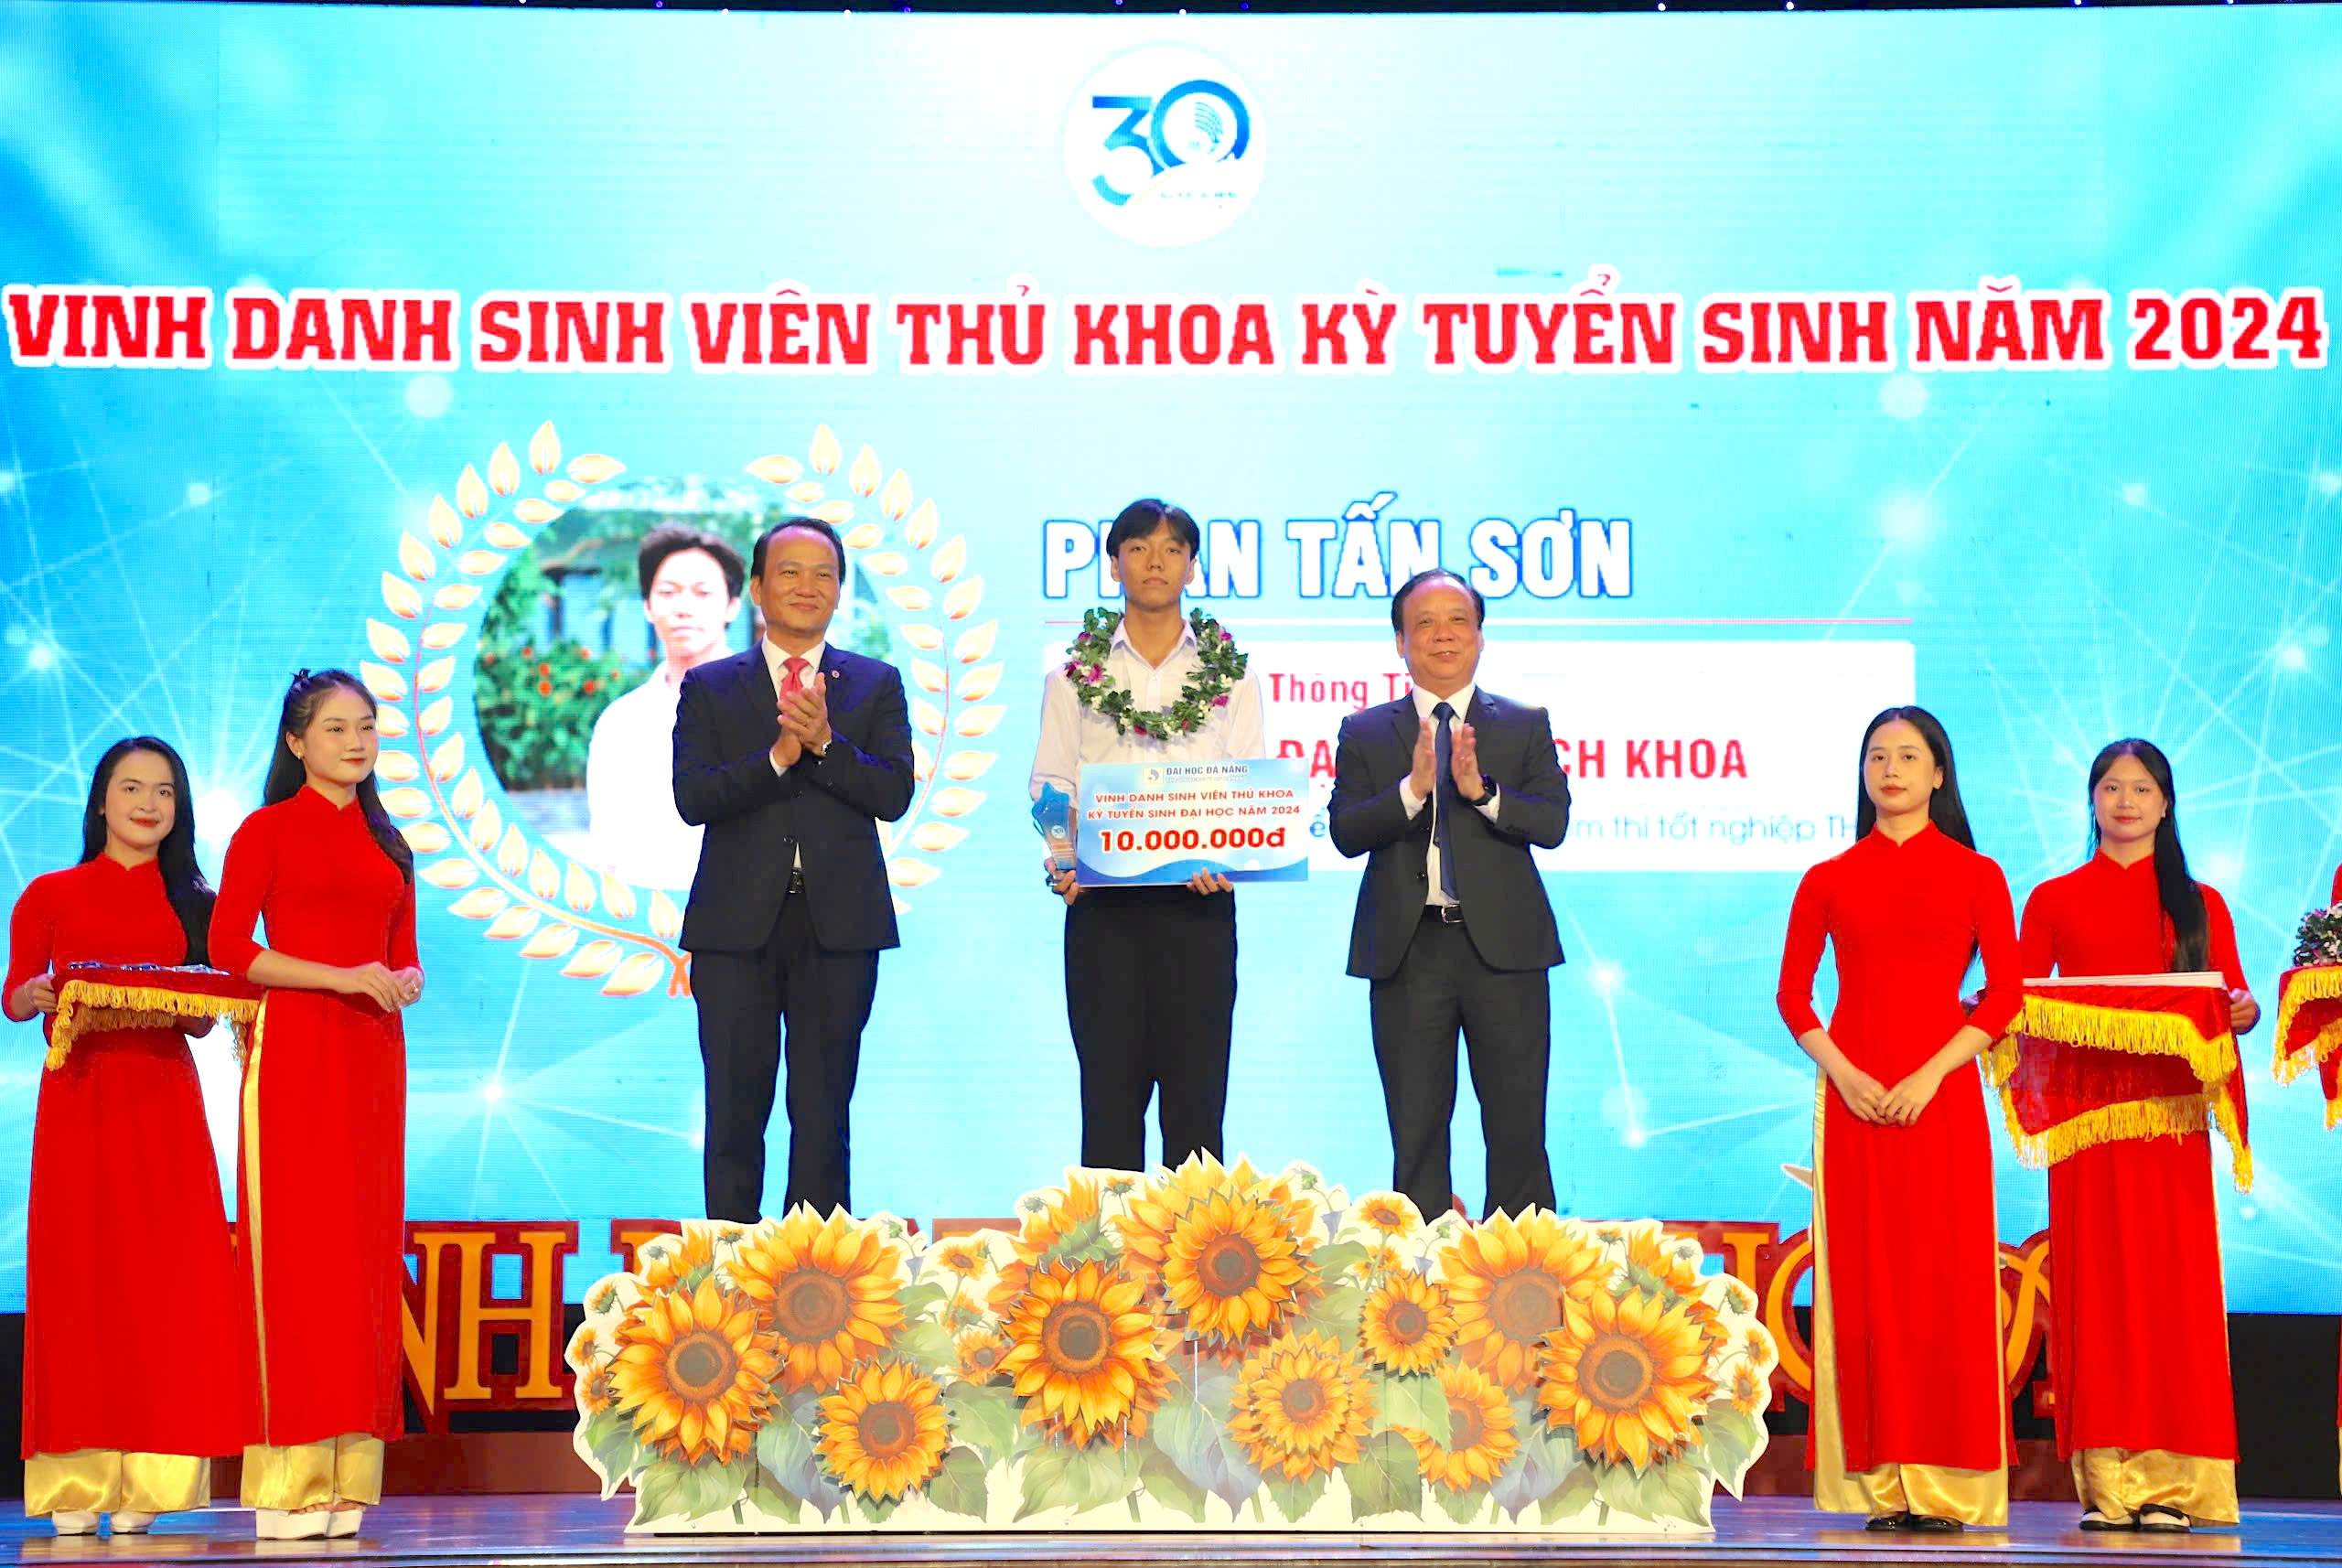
column 2183, row 901
column 287, row 775
column 1944, row 807
column 183, row 882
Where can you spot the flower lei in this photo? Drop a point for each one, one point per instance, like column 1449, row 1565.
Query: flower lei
column 1219, row 666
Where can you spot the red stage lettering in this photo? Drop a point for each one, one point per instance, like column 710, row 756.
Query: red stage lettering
column 1784, row 332
column 1346, row 692
column 1192, row 334
column 603, row 333
column 309, row 340
column 1438, row 319
column 976, row 335
column 1648, row 322
column 135, row 328
column 1580, row 759
column 789, row 331
column 1699, row 758
column 342, row 330
column 2001, row 325
column 1348, row 334
column 1544, row 327
column 2302, row 326
column 2203, row 329
column 1496, row 333
column 1590, row 331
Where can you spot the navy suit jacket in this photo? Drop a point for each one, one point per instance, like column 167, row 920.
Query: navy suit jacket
column 824, row 810
column 1505, row 909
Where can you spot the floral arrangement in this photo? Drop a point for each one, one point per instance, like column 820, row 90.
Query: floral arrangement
column 1207, row 1347
column 2319, row 942
column 1218, row 669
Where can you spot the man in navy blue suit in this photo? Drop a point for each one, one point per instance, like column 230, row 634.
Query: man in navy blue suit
column 790, row 755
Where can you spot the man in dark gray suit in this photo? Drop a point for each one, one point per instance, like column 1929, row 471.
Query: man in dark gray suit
column 1445, row 790
column 791, row 755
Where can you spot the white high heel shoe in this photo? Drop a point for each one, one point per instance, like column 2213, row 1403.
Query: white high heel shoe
column 72, row 1521
column 280, row 1524
column 127, row 1521
column 344, row 1522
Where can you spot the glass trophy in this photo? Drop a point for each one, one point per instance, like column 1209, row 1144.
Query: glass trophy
column 1053, row 820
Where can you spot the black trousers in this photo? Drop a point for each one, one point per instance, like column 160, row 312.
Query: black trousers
column 745, row 1001
column 1150, row 991
column 1506, row 1016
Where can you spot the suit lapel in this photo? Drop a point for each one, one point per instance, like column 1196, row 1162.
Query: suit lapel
column 758, row 678
column 841, row 681
column 1406, row 724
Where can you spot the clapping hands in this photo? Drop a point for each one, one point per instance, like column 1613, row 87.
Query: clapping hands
column 1463, row 762
column 804, row 722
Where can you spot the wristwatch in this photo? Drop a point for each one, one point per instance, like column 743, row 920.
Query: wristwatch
column 1488, row 791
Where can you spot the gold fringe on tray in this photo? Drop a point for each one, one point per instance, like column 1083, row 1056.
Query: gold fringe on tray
column 150, row 1006
column 1999, row 1064
column 2320, row 983
column 2160, row 1118
column 2140, row 1032
column 2135, row 1030
column 2164, row 1117
column 2240, row 1151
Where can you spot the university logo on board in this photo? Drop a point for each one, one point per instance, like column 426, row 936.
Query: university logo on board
column 1162, row 147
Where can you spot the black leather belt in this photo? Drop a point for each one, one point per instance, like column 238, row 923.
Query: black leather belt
column 1446, row 914
column 796, row 880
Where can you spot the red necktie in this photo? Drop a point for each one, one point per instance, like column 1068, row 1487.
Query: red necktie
column 794, row 682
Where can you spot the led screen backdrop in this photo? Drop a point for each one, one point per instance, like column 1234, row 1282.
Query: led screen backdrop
column 1764, row 371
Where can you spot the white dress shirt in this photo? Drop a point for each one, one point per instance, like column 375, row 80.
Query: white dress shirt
column 1072, row 736
column 1487, row 805
column 633, row 831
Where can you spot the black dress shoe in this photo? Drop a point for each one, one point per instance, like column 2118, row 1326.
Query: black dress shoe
column 1889, row 1521
column 1929, row 1524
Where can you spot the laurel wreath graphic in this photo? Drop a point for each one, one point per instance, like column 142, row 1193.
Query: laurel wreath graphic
column 599, row 927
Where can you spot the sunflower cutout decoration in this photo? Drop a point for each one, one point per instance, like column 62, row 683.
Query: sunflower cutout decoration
column 1085, row 1354
column 1214, row 1346
column 1509, row 1279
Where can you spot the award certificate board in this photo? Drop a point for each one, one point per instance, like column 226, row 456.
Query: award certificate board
column 1161, row 823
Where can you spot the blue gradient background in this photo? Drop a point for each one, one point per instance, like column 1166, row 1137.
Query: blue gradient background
column 2081, row 555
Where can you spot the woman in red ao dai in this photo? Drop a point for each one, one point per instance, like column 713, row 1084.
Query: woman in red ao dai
column 1911, row 1411
column 321, row 1177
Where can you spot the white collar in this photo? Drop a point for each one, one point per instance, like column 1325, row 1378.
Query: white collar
column 774, row 658
column 1461, row 702
column 1122, row 636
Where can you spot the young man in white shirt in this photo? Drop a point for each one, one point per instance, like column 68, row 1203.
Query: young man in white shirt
column 691, row 596
column 1150, row 972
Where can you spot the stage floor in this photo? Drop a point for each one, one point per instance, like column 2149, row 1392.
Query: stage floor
column 570, row 1531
